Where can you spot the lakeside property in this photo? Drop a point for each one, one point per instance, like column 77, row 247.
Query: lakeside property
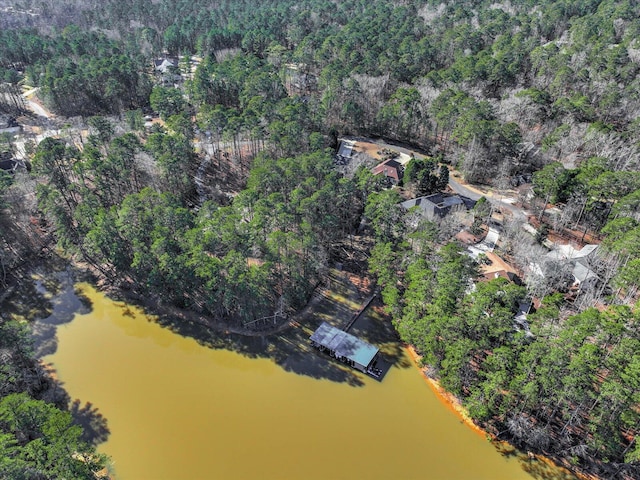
column 230, row 404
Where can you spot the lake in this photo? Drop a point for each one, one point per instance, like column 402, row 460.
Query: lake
column 176, row 409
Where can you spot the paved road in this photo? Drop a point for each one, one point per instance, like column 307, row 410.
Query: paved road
column 462, row 190
column 457, row 187
column 38, row 110
column 34, row 106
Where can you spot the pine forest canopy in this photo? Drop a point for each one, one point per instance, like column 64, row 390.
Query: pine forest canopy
column 495, row 89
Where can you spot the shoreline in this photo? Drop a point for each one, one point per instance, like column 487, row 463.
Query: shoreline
column 155, row 308
column 447, row 399
column 453, row 405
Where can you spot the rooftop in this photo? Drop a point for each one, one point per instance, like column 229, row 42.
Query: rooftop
column 391, row 162
column 390, row 168
column 344, row 344
column 441, row 201
column 346, row 148
column 568, row 252
column 582, row 273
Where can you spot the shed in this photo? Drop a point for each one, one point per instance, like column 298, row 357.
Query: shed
column 344, row 347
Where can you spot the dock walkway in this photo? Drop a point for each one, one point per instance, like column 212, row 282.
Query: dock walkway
column 359, row 312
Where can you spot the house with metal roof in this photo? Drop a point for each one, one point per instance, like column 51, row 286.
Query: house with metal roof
column 345, row 347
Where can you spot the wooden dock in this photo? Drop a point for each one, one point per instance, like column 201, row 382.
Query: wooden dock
column 359, row 312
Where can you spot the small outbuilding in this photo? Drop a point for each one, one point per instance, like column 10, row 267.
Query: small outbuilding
column 345, row 151
column 346, row 348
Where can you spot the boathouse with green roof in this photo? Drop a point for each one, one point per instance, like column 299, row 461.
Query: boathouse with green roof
column 345, row 347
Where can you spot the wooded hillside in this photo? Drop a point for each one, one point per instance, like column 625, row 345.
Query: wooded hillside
column 229, row 201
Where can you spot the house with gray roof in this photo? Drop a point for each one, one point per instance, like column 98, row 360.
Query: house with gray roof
column 165, row 65
column 580, row 263
column 345, row 151
column 438, row 205
column 582, row 272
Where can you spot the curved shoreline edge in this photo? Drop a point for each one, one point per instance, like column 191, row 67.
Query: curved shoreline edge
column 447, row 399
column 455, row 406
column 155, row 308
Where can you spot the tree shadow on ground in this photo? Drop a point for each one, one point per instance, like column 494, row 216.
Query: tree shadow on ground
column 538, row 468
column 543, row 469
column 546, row 469
column 28, row 300
column 375, row 327
column 291, row 349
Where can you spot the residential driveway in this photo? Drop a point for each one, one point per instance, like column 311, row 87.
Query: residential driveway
column 463, row 190
column 473, row 194
column 35, row 107
column 383, row 144
column 502, row 203
column 486, row 245
column 38, row 109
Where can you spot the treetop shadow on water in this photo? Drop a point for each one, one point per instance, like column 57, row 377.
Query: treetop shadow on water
column 49, row 300
column 291, row 348
column 65, row 303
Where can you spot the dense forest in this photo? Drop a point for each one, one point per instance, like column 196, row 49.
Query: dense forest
column 230, row 204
